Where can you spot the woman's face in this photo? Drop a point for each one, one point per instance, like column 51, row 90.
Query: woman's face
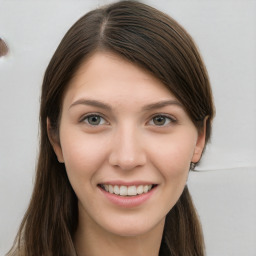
column 127, row 144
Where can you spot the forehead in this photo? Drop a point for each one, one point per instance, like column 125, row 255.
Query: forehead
column 108, row 76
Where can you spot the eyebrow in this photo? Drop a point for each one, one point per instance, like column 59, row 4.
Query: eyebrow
column 99, row 104
column 93, row 103
column 161, row 104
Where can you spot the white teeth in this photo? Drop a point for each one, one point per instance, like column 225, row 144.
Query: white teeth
column 132, row 191
column 116, row 190
column 123, row 191
column 110, row 189
column 140, row 189
column 145, row 189
column 127, row 190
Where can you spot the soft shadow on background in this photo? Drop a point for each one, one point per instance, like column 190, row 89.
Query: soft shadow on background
column 224, row 189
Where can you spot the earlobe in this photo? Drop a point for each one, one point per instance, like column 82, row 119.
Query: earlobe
column 54, row 141
column 200, row 144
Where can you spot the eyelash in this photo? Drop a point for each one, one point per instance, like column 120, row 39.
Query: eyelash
column 150, row 122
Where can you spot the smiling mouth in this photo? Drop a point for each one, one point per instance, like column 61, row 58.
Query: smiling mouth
column 122, row 190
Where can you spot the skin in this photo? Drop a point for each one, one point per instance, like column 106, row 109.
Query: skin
column 128, row 144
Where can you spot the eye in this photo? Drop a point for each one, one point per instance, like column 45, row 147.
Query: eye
column 94, row 120
column 161, row 120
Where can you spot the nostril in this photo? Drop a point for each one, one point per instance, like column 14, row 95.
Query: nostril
column 3, row 48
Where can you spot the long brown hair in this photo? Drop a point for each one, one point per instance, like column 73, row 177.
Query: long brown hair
column 154, row 41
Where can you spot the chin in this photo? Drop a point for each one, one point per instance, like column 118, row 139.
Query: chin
column 134, row 228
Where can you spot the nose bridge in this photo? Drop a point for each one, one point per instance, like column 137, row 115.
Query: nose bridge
column 127, row 150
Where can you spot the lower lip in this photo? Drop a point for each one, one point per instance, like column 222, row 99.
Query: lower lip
column 128, row 201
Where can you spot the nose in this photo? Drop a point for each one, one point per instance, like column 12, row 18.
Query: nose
column 127, row 150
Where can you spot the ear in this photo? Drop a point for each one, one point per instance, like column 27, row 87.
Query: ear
column 54, row 140
column 200, row 143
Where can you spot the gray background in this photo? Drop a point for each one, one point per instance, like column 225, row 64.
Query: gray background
column 225, row 188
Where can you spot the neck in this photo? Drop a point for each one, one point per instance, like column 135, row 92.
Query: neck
column 91, row 240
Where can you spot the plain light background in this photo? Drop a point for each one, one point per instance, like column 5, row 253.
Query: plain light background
column 224, row 189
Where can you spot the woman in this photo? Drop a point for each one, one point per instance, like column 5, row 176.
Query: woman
column 126, row 111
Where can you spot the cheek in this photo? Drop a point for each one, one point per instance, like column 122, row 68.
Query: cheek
column 173, row 154
column 82, row 154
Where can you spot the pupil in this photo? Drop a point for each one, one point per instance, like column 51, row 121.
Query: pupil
column 159, row 120
column 94, row 120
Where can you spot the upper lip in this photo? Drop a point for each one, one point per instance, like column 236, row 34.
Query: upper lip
column 125, row 183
